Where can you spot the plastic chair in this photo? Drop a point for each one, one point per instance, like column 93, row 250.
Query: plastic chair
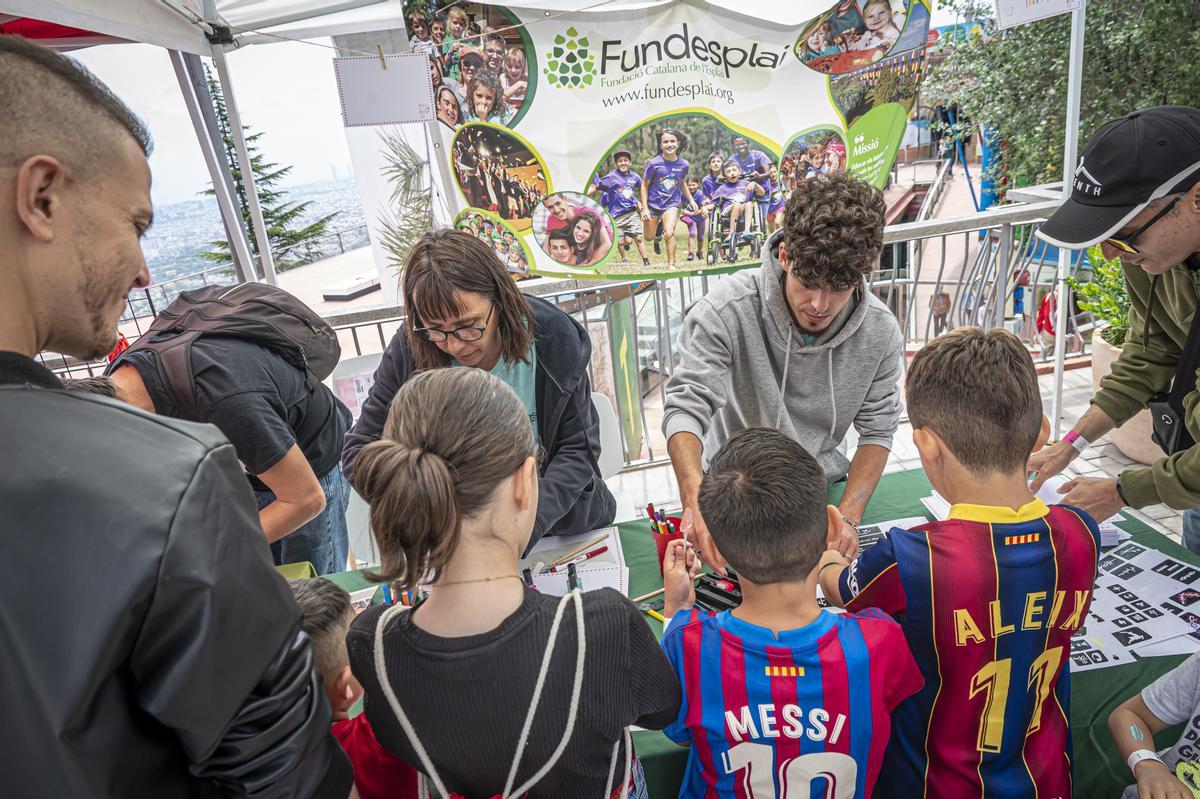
column 358, row 530
column 612, row 458
column 611, row 449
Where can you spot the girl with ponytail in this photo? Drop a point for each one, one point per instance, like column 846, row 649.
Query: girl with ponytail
column 488, row 687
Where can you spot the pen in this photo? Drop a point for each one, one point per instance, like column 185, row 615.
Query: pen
column 580, row 559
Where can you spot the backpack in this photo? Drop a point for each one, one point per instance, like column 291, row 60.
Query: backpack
column 258, row 312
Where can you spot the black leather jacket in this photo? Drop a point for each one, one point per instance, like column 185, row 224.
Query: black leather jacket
column 148, row 648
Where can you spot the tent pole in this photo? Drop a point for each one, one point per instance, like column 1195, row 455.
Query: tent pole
column 187, row 71
column 1070, row 152
column 265, row 258
column 239, row 143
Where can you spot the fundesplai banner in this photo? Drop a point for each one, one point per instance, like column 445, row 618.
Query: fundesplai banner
column 664, row 140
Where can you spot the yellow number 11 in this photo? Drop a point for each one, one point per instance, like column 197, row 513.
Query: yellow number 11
column 993, row 679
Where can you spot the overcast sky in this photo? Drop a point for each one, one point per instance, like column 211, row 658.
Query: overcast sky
column 285, row 90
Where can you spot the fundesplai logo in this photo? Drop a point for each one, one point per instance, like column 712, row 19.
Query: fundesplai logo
column 616, row 56
column 571, row 65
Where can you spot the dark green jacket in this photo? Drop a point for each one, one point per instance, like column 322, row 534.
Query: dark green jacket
column 1148, row 362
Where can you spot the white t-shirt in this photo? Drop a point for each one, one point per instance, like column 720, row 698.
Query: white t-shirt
column 1175, row 698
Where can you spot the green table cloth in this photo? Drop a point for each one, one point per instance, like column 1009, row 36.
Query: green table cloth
column 1098, row 769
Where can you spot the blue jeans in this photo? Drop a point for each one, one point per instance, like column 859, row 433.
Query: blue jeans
column 323, row 540
column 1191, row 529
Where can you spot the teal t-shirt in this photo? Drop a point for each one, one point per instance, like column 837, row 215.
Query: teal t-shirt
column 522, row 378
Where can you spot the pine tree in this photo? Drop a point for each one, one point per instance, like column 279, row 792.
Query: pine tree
column 290, row 246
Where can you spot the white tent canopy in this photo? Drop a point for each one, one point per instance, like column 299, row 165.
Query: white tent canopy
column 184, row 25
column 178, row 24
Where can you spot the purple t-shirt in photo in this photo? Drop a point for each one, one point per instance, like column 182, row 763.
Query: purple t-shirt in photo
column 621, row 190
column 754, row 161
column 775, row 195
column 728, row 193
column 664, row 182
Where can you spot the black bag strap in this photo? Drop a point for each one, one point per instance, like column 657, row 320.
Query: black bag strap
column 1185, row 374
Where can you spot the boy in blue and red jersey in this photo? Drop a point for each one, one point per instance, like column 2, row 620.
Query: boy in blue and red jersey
column 780, row 697
column 988, row 598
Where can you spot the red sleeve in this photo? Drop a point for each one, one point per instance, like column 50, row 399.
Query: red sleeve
column 906, row 677
column 378, row 774
column 897, row 670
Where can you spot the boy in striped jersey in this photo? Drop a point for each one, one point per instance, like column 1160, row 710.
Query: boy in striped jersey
column 988, row 598
column 780, row 697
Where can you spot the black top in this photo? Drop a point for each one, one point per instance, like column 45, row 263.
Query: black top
column 467, row 697
column 245, row 390
column 158, row 653
column 572, row 497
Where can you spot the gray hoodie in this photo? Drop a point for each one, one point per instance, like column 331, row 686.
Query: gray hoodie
column 743, row 363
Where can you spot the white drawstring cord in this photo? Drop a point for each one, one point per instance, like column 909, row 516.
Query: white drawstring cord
column 390, row 693
column 537, row 693
column 576, row 690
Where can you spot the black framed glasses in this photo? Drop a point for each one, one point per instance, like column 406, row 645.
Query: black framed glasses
column 464, row 333
column 1125, row 244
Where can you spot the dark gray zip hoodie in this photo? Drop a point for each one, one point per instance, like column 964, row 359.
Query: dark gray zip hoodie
column 744, row 363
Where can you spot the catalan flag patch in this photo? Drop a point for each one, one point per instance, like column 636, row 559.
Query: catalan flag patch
column 1028, row 538
column 783, row 671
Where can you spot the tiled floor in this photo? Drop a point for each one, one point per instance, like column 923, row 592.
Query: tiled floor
column 657, row 483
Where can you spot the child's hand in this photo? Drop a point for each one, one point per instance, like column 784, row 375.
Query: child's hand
column 830, row 557
column 829, row 572
column 1155, row 781
column 680, row 568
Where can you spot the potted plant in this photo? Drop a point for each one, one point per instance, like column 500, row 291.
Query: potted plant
column 1105, row 296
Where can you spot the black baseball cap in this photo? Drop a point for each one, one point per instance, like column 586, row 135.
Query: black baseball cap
column 620, row 153
column 1126, row 165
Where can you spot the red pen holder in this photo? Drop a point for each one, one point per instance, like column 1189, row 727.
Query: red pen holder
column 661, row 541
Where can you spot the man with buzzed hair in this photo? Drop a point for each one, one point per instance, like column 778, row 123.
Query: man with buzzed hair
column 150, row 647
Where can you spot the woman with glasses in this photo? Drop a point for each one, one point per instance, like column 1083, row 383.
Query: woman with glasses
column 465, row 310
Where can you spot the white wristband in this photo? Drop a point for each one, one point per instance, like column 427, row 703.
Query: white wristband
column 1077, row 441
column 1138, row 755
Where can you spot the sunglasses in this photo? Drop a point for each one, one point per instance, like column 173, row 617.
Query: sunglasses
column 1125, row 244
column 464, row 333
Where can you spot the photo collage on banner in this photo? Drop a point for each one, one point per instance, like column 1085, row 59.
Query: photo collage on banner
column 480, row 60
column 641, row 143
column 573, row 229
column 501, row 236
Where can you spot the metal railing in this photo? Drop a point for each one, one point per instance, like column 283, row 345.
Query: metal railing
column 973, row 266
column 146, row 303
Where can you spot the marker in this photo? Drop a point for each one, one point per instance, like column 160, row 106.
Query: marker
column 573, row 580
column 387, row 594
column 527, row 577
column 580, row 559
column 654, row 614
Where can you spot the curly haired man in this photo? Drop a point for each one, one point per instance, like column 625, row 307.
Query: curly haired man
column 799, row 345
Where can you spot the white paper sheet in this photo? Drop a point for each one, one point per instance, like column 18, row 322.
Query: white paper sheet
column 606, row 570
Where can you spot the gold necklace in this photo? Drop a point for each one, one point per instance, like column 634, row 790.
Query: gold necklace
column 478, row 580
